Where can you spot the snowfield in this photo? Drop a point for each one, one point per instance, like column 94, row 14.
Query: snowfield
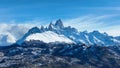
column 48, row 37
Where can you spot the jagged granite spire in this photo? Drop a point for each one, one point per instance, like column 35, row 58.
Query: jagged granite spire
column 50, row 27
column 42, row 28
column 59, row 24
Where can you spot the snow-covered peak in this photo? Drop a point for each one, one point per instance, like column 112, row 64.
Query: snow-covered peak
column 98, row 38
column 34, row 30
column 48, row 37
column 59, row 24
column 31, row 31
column 51, row 26
column 118, row 37
column 95, row 32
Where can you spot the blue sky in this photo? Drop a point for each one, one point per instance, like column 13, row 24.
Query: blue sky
column 102, row 15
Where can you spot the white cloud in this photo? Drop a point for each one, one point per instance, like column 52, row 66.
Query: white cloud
column 6, row 39
column 17, row 30
column 91, row 23
column 13, row 29
column 112, row 30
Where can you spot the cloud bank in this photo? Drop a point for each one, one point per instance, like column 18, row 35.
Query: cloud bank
column 10, row 33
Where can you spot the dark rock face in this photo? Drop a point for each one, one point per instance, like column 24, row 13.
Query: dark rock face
column 37, row 54
column 34, row 30
column 59, row 24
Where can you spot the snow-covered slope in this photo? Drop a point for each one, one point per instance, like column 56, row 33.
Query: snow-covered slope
column 98, row 38
column 30, row 31
column 48, row 37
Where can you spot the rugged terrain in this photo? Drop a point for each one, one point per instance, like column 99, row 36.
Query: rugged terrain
column 37, row 54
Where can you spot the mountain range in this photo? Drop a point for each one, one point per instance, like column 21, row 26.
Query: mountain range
column 57, row 46
column 57, row 32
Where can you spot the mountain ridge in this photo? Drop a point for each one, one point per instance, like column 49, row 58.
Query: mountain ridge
column 88, row 38
column 79, row 37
